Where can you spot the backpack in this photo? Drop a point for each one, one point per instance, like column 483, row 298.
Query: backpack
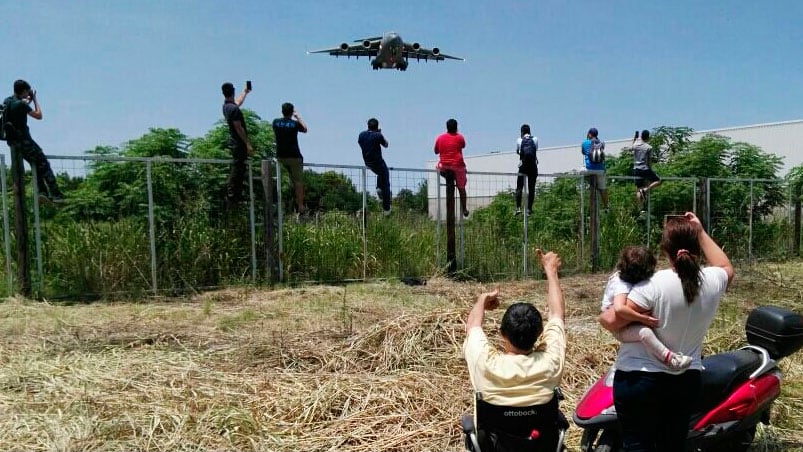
column 597, row 153
column 2, row 122
column 527, row 149
column 7, row 129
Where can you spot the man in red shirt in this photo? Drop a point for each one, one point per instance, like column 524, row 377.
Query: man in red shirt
column 449, row 147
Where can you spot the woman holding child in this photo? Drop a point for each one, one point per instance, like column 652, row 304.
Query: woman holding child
column 653, row 398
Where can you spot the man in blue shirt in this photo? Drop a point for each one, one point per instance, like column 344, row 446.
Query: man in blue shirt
column 371, row 142
column 285, row 130
column 592, row 140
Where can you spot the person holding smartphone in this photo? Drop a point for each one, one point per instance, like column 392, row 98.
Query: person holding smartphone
column 646, row 179
column 286, row 129
column 16, row 110
column 239, row 143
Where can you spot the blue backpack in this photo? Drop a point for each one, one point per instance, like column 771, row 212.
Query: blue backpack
column 527, row 149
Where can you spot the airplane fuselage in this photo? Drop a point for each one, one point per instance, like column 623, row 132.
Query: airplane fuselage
column 390, row 53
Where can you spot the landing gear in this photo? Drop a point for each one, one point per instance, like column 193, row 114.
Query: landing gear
column 402, row 66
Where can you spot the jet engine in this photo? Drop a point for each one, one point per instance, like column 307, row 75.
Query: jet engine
column 366, row 44
column 344, row 46
column 436, row 51
column 416, row 46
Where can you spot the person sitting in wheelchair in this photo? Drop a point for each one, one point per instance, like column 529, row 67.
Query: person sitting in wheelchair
column 516, row 391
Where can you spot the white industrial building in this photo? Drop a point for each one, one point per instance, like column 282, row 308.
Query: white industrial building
column 784, row 139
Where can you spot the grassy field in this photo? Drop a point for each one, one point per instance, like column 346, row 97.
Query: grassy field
column 357, row 368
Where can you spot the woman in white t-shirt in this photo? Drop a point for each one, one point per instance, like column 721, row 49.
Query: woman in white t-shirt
column 653, row 401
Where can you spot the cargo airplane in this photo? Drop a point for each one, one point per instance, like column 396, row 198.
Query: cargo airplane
column 387, row 52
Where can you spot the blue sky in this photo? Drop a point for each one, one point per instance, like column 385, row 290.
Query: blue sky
column 108, row 70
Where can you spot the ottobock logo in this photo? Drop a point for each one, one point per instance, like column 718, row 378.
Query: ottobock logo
column 521, row 413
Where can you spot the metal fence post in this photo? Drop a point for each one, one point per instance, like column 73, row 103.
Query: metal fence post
column 582, row 189
column 37, row 229
column 708, row 205
column 649, row 213
column 253, row 223
column 364, row 222
column 525, row 195
column 151, row 227
column 461, row 255
column 438, row 223
column 6, row 233
column 750, row 226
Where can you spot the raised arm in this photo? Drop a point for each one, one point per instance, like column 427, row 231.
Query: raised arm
column 554, row 295
column 302, row 126
column 486, row 301
column 36, row 113
column 712, row 252
column 241, row 98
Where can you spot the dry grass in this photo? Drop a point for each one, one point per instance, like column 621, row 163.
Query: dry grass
column 362, row 368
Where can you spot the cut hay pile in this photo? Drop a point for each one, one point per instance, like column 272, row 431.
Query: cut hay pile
column 358, row 368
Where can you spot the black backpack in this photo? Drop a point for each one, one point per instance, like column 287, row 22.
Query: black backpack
column 597, row 153
column 7, row 129
column 2, row 122
column 527, row 149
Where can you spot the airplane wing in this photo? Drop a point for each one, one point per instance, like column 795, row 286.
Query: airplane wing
column 416, row 52
column 368, row 47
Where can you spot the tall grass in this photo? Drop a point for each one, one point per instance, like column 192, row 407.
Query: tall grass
column 206, row 247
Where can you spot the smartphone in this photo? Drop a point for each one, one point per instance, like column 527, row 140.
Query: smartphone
column 248, row 85
column 670, row 217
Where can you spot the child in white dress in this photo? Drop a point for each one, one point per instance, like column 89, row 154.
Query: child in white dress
column 636, row 264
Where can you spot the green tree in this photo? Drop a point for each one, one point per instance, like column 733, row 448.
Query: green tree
column 418, row 202
column 329, row 191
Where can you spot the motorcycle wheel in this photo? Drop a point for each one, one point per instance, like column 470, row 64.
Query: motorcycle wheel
column 608, row 441
column 587, row 441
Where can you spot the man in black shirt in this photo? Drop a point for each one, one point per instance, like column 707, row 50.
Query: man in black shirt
column 238, row 142
column 16, row 110
column 371, row 142
column 286, row 129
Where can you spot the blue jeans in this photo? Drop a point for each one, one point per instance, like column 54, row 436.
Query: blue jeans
column 654, row 408
column 382, row 181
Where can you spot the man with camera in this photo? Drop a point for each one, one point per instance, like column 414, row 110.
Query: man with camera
column 371, row 142
column 286, row 129
column 238, row 143
column 646, row 179
column 16, row 110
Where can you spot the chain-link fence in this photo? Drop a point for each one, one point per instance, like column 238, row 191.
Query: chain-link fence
column 138, row 226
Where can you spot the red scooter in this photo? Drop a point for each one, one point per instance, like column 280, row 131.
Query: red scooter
column 739, row 387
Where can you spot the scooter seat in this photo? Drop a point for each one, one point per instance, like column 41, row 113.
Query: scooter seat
column 723, row 372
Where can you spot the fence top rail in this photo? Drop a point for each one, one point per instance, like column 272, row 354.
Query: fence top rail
column 742, row 179
column 678, row 178
column 117, row 158
column 573, row 174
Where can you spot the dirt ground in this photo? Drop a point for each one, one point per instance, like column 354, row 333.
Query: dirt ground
column 361, row 367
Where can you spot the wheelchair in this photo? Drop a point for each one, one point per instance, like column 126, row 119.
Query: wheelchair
column 536, row 428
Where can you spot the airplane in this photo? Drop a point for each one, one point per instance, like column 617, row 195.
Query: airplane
column 388, row 52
